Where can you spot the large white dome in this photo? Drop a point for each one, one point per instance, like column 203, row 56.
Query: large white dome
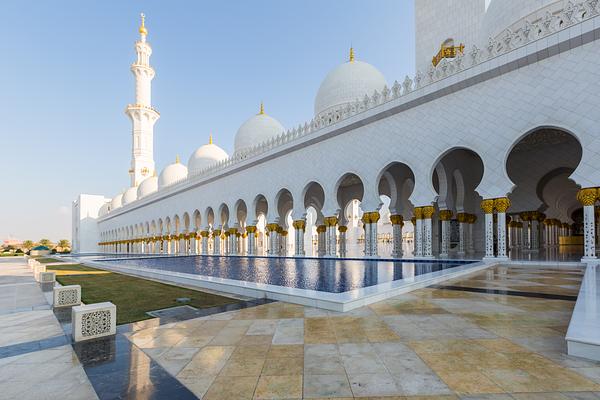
column 130, row 195
column 502, row 14
column 116, row 202
column 347, row 83
column 256, row 130
column 205, row 156
column 148, row 186
column 104, row 209
column 171, row 174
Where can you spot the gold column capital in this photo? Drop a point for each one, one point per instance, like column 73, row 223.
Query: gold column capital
column 321, row 228
column 233, row 231
column 501, row 204
column 299, row 224
column 204, row 234
column 487, row 206
column 272, row 227
column 418, row 211
column 251, row 229
column 413, row 220
column 216, row 232
column 445, row 215
column 397, row 219
column 331, row 221
column 587, row 196
column 342, row 228
column 428, row 212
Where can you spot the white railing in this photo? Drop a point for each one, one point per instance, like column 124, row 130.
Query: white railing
column 521, row 33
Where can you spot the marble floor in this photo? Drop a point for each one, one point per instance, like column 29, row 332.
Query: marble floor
column 496, row 334
column 444, row 343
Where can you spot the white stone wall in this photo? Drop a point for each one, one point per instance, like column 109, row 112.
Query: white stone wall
column 85, row 234
column 438, row 20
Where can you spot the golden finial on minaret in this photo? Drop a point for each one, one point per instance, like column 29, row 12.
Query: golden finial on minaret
column 177, row 161
column 262, row 109
column 210, row 141
column 143, row 30
column 351, row 54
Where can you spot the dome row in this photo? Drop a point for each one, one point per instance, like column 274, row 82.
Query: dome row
column 345, row 84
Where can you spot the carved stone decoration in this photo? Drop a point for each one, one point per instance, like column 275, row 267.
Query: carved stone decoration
column 506, row 41
column 431, row 73
column 93, row 321
column 396, row 90
column 474, row 55
column 66, row 296
column 491, row 47
column 568, row 14
column 419, row 78
column 526, row 31
column 407, row 84
column 547, row 23
column 592, row 6
column 385, row 93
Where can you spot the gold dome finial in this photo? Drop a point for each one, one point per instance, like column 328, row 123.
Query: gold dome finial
column 351, row 54
column 262, row 109
column 210, row 141
column 177, row 161
column 143, row 30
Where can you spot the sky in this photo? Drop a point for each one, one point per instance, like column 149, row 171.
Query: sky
column 65, row 82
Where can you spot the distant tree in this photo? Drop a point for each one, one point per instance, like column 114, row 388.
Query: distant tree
column 27, row 245
column 45, row 242
column 63, row 244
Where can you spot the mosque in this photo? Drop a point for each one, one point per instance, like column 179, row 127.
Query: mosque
column 491, row 150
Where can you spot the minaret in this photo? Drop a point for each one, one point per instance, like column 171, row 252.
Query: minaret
column 142, row 115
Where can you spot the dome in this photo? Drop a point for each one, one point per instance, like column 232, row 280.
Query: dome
column 116, row 202
column 205, row 156
column 171, row 174
column 130, row 195
column 148, row 186
column 502, row 14
column 104, row 210
column 347, row 83
column 256, row 130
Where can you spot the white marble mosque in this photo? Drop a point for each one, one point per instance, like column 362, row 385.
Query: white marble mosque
column 491, row 149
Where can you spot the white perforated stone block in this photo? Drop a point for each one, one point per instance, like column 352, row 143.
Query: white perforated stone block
column 47, row 277
column 37, row 270
column 66, row 296
column 93, row 321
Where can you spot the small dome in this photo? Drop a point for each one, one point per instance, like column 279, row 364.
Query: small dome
column 205, row 156
column 116, row 202
column 148, row 186
column 502, row 14
column 171, row 174
column 256, row 130
column 130, row 195
column 347, row 83
column 104, row 210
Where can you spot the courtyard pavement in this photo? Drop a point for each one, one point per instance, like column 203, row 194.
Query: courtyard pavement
column 496, row 334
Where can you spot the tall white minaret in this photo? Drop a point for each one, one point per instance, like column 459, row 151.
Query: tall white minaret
column 142, row 115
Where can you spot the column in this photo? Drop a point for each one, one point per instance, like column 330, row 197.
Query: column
column 299, row 227
column 501, row 205
column 587, row 197
column 182, row 243
column 397, row 224
column 462, row 233
column 216, row 234
column 535, row 230
column 342, row 229
column 251, row 230
column 370, row 220
column 471, row 219
column 526, row 217
column 428, row 212
column 331, row 236
column 204, row 241
column 272, row 234
column 321, row 240
column 194, row 243
column 413, row 221
column 419, row 231
column 487, row 206
column 174, row 240
column 233, row 238
column 283, row 243
column 445, row 216
column 165, row 239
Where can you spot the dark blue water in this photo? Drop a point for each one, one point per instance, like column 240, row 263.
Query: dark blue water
column 324, row 275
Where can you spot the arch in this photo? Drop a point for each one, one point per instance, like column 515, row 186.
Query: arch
column 391, row 182
column 197, row 220
column 176, row 224
column 241, row 212
column 459, row 187
column 313, row 195
column 284, row 201
column 210, row 217
column 223, row 214
column 186, row 222
column 349, row 187
column 260, row 205
column 442, row 171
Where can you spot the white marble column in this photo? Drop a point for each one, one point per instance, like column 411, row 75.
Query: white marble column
column 462, row 234
column 331, row 236
column 216, row 234
column 342, row 238
column 272, row 235
column 501, row 205
column 471, row 219
column 428, row 212
column 588, row 197
column 445, row 216
column 374, row 218
column 251, row 230
column 397, row 223
column 299, row 227
column 535, row 231
column 367, row 228
column 487, row 206
column 419, row 232
column 321, row 240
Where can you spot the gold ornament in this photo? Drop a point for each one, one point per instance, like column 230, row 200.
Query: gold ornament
column 501, row 204
column 587, row 196
column 487, row 206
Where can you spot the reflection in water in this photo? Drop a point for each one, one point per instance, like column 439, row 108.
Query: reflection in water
column 326, row 275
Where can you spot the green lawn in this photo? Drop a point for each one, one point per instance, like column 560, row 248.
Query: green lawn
column 132, row 296
column 46, row 260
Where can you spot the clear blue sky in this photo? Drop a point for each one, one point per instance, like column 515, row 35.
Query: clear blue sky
column 65, row 81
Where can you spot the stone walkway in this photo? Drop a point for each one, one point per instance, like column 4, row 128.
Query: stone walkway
column 44, row 365
column 447, row 343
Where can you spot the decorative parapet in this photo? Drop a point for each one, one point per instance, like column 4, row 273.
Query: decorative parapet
column 556, row 17
column 47, row 277
column 93, row 321
column 67, row 296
